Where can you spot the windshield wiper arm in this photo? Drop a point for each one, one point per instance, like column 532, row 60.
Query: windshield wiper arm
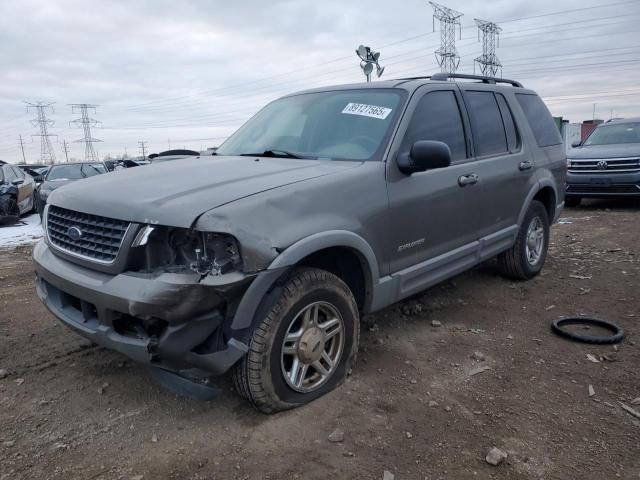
column 276, row 152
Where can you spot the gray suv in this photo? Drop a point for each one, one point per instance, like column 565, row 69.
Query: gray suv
column 327, row 205
column 606, row 164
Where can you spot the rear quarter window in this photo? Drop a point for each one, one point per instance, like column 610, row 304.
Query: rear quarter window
column 542, row 125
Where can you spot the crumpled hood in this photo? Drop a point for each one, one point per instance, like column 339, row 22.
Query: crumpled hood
column 606, row 151
column 176, row 193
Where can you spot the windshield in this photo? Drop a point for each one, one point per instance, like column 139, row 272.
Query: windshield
column 345, row 125
column 615, row 133
column 75, row 171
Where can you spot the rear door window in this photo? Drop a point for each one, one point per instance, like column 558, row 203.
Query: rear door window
column 513, row 138
column 437, row 117
column 488, row 130
column 542, row 125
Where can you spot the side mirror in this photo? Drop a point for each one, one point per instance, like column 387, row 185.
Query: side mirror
column 425, row 155
column 576, row 144
column 18, row 182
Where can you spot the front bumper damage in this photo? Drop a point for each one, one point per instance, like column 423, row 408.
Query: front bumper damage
column 173, row 321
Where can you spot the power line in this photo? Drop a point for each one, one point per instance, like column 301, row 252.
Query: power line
column 86, row 123
column 315, row 66
column 47, row 155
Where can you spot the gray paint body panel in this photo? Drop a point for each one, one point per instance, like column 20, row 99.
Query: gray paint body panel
column 409, row 232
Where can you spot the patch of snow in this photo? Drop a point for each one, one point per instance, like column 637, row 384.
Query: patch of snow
column 26, row 232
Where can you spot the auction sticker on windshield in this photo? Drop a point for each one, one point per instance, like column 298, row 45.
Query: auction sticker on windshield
column 364, row 110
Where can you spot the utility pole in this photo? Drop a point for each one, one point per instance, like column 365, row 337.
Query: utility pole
column 447, row 55
column 65, row 147
column 488, row 61
column 24, row 159
column 86, row 123
column 47, row 155
column 143, row 148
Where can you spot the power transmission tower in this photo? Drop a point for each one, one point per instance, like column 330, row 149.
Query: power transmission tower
column 65, row 147
column 143, row 148
column 447, row 55
column 47, row 155
column 24, row 159
column 86, row 123
column 488, row 61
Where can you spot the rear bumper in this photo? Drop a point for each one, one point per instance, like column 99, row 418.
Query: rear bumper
column 595, row 185
column 169, row 320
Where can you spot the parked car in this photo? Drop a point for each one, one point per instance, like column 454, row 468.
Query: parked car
column 112, row 165
column 606, row 164
column 37, row 172
column 327, row 205
column 17, row 193
column 64, row 173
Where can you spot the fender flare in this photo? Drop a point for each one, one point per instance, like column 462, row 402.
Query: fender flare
column 253, row 298
column 539, row 185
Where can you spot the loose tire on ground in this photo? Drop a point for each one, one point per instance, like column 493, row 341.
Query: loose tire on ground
column 515, row 262
column 260, row 376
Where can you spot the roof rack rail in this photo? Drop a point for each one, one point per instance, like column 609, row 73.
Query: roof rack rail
column 491, row 80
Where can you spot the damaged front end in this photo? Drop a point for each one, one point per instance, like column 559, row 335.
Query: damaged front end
column 170, row 305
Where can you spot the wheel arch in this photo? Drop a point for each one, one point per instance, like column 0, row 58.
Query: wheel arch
column 545, row 192
column 336, row 251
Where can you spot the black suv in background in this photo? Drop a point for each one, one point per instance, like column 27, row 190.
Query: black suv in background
column 606, row 164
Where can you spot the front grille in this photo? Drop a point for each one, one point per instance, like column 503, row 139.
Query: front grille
column 602, row 165
column 623, row 189
column 100, row 237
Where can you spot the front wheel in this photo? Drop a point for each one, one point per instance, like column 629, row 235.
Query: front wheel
column 527, row 256
column 305, row 345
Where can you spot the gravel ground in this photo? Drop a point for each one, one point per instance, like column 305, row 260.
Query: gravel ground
column 441, row 379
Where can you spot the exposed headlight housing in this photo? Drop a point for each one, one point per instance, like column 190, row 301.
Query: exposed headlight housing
column 180, row 249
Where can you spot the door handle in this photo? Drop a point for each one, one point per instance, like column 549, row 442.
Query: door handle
column 526, row 165
column 468, row 179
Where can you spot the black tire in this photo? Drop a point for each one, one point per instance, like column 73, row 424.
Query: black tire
column 9, row 210
column 572, row 201
column 617, row 334
column 258, row 377
column 514, row 262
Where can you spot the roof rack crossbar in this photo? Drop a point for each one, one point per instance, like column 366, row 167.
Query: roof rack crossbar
column 492, row 80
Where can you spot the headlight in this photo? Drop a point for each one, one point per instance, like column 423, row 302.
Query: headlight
column 44, row 193
column 179, row 249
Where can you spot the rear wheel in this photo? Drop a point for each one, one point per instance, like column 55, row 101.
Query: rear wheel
column 572, row 201
column 527, row 256
column 305, row 345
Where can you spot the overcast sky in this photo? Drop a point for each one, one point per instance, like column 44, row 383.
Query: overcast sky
column 187, row 73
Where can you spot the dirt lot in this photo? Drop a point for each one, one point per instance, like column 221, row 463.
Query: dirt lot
column 412, row 406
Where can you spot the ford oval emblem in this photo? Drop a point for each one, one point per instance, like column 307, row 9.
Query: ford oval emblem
column 74, row 233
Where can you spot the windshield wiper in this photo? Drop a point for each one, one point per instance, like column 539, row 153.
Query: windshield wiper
column 275, row 153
